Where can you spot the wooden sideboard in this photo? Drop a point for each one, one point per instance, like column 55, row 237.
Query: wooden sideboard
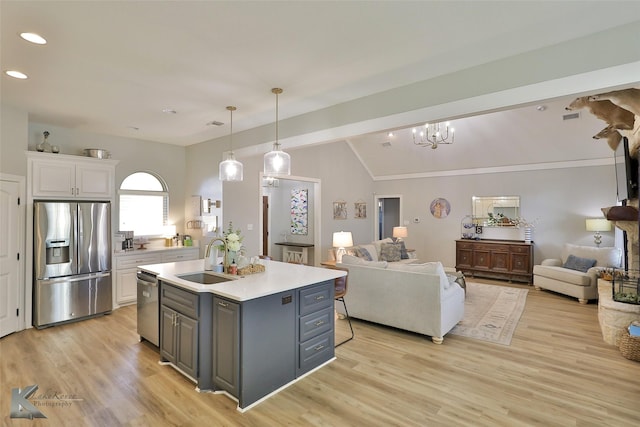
column 504, row 259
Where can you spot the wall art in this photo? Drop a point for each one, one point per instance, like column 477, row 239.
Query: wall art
column 440, row 208
column 360, row 209
column 339, row 210
column 299, row 212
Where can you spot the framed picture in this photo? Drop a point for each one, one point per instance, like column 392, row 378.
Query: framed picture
column 299, row 220
column 339, row 210
column 360, row 209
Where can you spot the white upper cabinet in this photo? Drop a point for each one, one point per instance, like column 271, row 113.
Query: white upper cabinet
column 56, row 176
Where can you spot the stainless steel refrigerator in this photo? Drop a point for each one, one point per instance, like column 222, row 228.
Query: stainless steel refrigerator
column 71, row 261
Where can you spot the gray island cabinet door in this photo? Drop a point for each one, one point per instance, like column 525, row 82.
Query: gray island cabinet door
column 268, row 334
column 226, row 345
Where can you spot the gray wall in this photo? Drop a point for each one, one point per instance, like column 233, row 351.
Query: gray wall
column 168, row 161
column 560, row 199
column 13, row 140
column 342, row 177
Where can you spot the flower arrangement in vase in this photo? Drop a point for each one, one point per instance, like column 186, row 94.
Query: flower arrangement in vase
column 233, row 243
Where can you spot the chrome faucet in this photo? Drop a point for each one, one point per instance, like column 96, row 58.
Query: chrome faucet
column 207, row 253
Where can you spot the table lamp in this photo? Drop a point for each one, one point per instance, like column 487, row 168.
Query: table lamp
column 399, row 233
column 598, row 225
column 342, row 240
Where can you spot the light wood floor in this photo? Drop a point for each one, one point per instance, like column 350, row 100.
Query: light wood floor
column 557, row 372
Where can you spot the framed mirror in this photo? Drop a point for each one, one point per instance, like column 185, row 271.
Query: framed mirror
column 495, row 210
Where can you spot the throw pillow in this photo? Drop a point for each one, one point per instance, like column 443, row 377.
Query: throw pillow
column 403, row 250
column 363, row 253
column 580, row 264
column 390, row 252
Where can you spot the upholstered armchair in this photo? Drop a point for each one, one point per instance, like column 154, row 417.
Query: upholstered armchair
column 575, row 273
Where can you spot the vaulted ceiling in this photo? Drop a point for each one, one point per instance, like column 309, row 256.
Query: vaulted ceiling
column 113, row 67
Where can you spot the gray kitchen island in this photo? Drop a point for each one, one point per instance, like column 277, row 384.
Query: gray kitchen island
column 249, row 336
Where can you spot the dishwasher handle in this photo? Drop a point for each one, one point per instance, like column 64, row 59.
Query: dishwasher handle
column 146, row 279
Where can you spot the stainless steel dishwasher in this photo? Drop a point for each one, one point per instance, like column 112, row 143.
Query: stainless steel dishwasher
column 148, row 308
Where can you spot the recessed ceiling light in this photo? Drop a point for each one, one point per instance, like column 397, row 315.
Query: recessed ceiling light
column 390, row 134
column 215, row 123
column 33, row 38
column 169, row 111
column 541, row 108
column 16, row 74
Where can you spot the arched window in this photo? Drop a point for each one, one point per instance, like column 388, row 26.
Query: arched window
column 144, row 204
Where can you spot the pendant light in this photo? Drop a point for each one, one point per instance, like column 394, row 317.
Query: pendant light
column 276, row 161
column 231, row 169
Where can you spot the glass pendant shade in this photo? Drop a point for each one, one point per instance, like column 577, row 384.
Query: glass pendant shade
column 277, row 162
column 231, row 169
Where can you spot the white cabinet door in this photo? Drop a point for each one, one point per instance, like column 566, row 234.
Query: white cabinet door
column 63, row 176
column 126, row 270
column 126, row 291
column 94, row 181
column 53, row 179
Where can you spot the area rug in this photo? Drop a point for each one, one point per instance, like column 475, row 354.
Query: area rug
column 491, row 312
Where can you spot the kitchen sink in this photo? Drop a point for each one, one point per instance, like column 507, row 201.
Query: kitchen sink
column 203, row 278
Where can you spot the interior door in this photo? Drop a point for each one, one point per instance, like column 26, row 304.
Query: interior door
column 9, row 259
column 387, row 215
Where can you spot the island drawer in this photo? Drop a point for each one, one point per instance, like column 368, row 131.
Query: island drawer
column 315, row 323
column 316, row 297
column 180, row 300
column 315, row 351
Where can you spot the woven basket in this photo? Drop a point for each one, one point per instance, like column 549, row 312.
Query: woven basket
column 629, row 346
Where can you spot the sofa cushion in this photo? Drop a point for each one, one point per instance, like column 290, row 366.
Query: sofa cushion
column 365, row 253
column 605, row 257
column 403, row 249
column 353, row 260
column 578, row 263
column 562, row 274
column 377, row 244
column 390, row 252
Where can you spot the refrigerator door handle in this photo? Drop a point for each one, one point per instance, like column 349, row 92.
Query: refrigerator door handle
column 76, row 278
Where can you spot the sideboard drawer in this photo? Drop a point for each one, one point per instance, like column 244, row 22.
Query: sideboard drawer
column 520, row 249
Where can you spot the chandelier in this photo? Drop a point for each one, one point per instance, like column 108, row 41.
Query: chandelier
column 276, row 161
column 431, row 136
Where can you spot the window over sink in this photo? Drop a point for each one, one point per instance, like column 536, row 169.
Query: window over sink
column 144, row 204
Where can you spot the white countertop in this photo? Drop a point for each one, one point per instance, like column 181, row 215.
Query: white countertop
column 153, row 249
column 278, row 277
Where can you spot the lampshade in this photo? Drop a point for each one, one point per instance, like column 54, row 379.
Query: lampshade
column 231, row 169
column 400, row 232
column 598, row 224
column 276, row 161
column 342, row 239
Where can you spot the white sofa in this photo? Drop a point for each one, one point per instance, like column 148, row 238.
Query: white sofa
column 553, row 275
column 415, row 297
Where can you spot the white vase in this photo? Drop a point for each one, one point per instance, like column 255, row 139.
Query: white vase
column 527, row 234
